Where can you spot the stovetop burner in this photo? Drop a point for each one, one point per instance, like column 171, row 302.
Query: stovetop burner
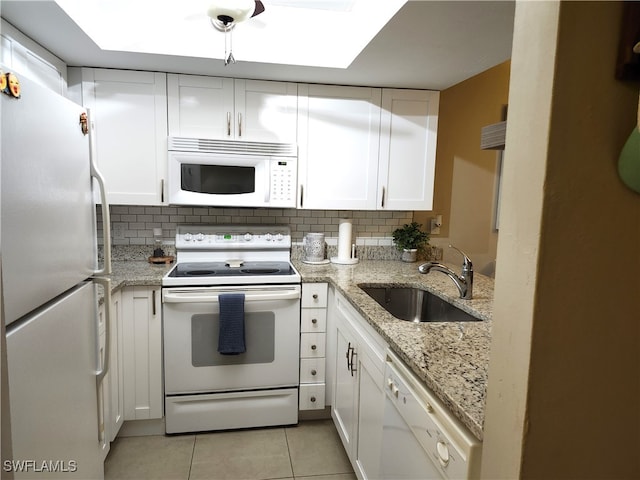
column 195, row 273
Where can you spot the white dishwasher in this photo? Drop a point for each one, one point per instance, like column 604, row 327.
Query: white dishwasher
column 420, row 438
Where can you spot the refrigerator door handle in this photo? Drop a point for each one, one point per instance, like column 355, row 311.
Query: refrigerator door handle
column 106, row 217
column 104, row 368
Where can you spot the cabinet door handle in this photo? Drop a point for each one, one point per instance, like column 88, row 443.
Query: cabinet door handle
column 301, row 195
column 228, row 124
column 353, row 364
column 153, row 302
column 162, row 191
column 239, row 124
column 383, row 194
column 351, row 352
column 349, row 348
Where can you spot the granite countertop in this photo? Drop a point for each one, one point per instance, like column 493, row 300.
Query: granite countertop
column 451, row 358
column 134, row 273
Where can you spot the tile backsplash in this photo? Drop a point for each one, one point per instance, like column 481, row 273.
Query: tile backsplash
column 132, row 226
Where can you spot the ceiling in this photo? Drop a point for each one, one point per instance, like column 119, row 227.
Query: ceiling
column 426, row 44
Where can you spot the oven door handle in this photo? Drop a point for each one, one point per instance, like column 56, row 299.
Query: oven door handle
column 202, row 297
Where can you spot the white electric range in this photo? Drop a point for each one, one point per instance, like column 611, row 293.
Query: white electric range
column 206, row 387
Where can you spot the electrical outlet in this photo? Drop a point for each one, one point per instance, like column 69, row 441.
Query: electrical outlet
column 435, row 228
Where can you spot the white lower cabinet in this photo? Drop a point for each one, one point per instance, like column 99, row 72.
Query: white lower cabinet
column 142, row 353
column 358, row 395
column 312, row 346
column 104, row 410
column 116, row 374
column 110, row 391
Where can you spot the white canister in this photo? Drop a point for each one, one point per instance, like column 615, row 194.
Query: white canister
column 313, row 247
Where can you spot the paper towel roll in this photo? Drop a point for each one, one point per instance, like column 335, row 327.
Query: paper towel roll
column 344, row 239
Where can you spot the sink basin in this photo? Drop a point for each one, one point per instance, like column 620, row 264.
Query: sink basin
column 415, row 305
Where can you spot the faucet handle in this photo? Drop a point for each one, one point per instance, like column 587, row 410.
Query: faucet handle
column 466, row 261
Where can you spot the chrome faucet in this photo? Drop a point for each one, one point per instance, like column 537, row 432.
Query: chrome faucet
column 464, row 282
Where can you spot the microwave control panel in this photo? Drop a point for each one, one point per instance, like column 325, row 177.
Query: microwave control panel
column 283, row 183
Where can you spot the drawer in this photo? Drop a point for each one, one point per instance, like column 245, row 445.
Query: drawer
column 314, row 295
column 312, row 396
column 312, row 345
column 312, row 370
column 313, row 320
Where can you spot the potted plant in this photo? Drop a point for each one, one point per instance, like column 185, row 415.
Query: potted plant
column 409, row 238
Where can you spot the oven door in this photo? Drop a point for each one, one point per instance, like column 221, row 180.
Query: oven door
column 272, row 335
column 218, row 179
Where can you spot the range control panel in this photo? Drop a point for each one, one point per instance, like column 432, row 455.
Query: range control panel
column 232, row 237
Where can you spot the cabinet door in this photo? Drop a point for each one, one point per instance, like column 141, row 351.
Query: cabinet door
column 200, row 107
column 408, row 131
column 129, row 113
column 116, row 379
column 142, row 349
column 265, row 111
column 26, row 57
column 104, row 394
column 344, row 404
column 358, row 396
column 338, row 136
column 370, row 417
column 224, row 108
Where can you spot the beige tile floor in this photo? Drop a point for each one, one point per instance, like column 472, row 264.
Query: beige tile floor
column 311, row 449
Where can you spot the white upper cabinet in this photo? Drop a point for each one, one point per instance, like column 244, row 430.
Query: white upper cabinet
column 129, row 113
column 408, row 133
column 24, row 56
column 338, row 137
column 365, row 148
column 226, row 108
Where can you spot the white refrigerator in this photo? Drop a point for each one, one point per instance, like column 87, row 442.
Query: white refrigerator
column 49, row 275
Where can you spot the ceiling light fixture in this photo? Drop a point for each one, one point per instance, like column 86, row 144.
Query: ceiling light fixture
column 225, row 14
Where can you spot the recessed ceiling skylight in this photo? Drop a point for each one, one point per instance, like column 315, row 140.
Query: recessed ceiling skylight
column 329, row 33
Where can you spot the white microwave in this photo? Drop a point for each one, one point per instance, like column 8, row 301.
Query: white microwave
column 232, row 173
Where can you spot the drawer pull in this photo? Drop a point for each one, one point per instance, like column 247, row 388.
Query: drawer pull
column 314, row 372
column 313, row 399
column 315, row 296
column 313, row 347
column 314, row 321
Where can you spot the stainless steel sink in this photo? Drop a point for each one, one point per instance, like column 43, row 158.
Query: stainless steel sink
column 415, row 305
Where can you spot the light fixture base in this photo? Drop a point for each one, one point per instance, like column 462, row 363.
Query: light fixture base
column 221, row 26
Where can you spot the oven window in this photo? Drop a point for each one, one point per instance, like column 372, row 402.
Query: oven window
column 259, row 333
column 218, row 179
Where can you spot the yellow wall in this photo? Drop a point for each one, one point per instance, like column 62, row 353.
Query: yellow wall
column 466, row 175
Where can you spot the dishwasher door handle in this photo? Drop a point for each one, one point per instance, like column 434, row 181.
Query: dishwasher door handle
column 204, row 297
